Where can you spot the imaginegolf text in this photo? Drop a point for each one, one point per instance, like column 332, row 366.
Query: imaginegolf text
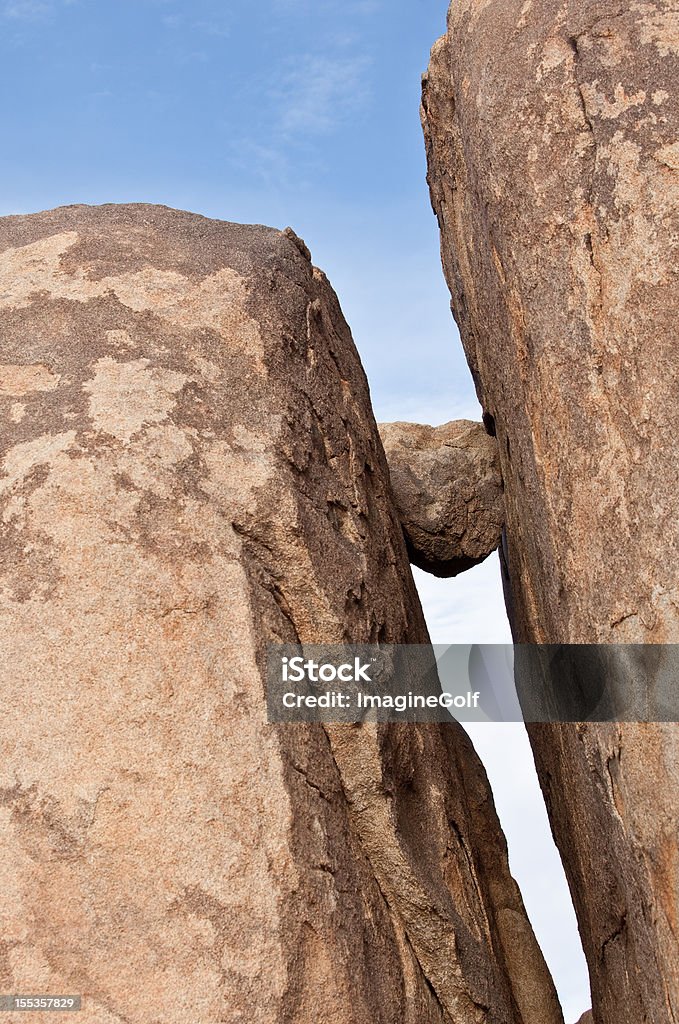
column 389, row 702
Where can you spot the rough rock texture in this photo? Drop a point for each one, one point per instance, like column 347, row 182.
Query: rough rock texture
column 586, row 1018
column 551, row 130
column 190, row 468
column 448, row 492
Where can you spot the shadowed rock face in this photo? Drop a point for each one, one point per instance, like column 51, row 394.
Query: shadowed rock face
column 551, row 132
column 190, row 469
column 448, row 492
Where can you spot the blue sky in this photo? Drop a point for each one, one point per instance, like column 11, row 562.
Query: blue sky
column 300, row 112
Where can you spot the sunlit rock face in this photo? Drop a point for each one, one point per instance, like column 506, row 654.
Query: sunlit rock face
column 190, row 470
column 551, row 132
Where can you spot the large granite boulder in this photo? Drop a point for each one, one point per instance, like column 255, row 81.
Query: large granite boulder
column 448, row 492
column 190, row 469
column 551, row 132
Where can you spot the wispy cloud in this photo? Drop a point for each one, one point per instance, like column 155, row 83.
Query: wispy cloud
column 193, row 57
column 27, row 10
column 303, row 99
column 269, row 164
column 214, row 26
column 317, row 94
column 348, row 7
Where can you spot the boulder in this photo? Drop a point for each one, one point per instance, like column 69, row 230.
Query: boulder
column 448, row 492
column 551, row 132
column 190, row 470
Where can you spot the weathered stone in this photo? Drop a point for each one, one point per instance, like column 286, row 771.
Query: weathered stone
column 551, row 132
column 191, row 469
column 586, row 1018
column 448, row 492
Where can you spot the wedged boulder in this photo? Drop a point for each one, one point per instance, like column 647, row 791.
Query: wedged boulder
column 551, row 132
column 191, row 469
column 448, row 492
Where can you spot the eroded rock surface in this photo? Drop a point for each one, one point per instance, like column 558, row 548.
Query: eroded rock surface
column 551, row 132
column 448, row 492
column 190, row 469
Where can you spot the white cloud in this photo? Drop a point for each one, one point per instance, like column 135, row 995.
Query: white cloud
column 303, row 98
column 32, row 10
column 269, row 164
column 27, row 10
column 193, row 57
column 347, row 7
column 212, row 27
column 216, row 26
column 315, row 94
